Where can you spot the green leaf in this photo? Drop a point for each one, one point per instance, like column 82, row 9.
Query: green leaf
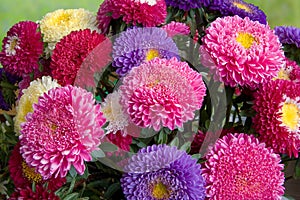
column 108, row 147
column 97, row 154
column 174, row 142
column 71, row 196
column 111, row 190
column 197, row 156
column 73, row 172
column 186, row 146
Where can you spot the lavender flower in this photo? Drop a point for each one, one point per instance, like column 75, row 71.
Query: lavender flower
column 288, row 35
column 137, row 45
column 185, row 4
column 163, row 172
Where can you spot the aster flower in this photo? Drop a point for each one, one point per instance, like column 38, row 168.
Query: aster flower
column 55, row 25
column 28, row 193
column 23, row 175
column 30, row 96
column 139, row 45
column 185, row 4
column 21, row 48
column 162, row 172
column 123, row 142
column 277, row 105
column 288, row 35
column 176, row 28
column 162, row 92
column 148, row 13
column 240, row 167
column 248, row 54
column 290, row 71
column 118, row 120
column 63, row 130
column 79, row 52
column 237, row 7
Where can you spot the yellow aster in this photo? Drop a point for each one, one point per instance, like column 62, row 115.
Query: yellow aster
column 30, row 96
column 60, row 23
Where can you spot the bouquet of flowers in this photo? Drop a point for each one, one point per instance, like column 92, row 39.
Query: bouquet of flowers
column 150, row 99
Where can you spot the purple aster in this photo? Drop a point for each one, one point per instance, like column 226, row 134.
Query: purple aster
column 185, row 4
column 288, row 35
column 163, row 172
column 137, row 45
column 237, row 7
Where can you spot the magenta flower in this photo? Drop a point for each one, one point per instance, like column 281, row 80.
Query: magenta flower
column 240, row 167
column 162, row 92
column 63, row 130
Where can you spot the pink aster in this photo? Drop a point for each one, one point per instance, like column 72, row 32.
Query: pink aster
column 277, row 120
column 244, row 52
column 240, row 167
column 162, row 92
column 21, row 48
column 176, row 28
column 148, row 13
column 78, row 56
column 63, row 130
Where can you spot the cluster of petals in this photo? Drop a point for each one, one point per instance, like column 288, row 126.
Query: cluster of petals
column 162, row 93
column 62, row 131
column 244, row 52
column 240, row 167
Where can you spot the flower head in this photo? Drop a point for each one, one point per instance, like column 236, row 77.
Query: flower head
column 63, row 130
column 176, row 28
column 139, row 45
column 277, row 105
column 240, row 167
column 162, row 172
column 245, row 52
column 24, row 176
column 21, row 48
column 185, row 4
column 148, row 13
column 27, row 193
column 162, row 92
column 237, row 7
column 288, row 35
column 55, row 25
column 82, row 52
column 290, row 71
column 30, row 96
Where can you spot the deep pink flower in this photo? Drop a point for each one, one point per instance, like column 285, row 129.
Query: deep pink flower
column 63, row 130
column 240, row 167
column 176, row 28
column 277, row 106
column 78, row 56
column 162, row 92
column 148, row 13
column 22, row 48
column 244, row 52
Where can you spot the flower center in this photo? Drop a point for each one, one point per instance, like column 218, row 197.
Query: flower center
column 30, row 173
column 290, row 115
column 12, row 45
column 282, row 74
column 160, row 191
column 152, row 53
column 242, row 6
column 245, row 39
column 62, row 18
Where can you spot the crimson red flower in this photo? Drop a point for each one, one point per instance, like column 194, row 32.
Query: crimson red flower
column 27, row 193
column 21, row 48
column 79, row 55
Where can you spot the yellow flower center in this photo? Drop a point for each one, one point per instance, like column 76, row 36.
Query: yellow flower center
column 242, row 6
column 30, row 173
column 290, row 115
column 63, row 18
column 282, row 74
column 160, row 191
column 152, row 53
column 245, row 39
